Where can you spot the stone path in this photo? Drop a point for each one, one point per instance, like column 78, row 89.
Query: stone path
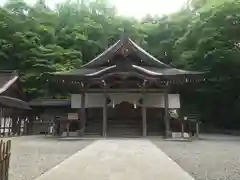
column 118, row 160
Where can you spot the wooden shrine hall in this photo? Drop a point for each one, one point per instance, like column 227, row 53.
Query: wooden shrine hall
column 125, row 91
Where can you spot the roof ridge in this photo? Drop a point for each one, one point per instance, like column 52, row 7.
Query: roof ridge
column 104, row 53
column 140, row 49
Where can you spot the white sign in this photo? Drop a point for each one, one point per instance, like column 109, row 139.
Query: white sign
column 72, row 116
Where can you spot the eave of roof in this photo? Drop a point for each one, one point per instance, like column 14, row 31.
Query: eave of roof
column 150, row 72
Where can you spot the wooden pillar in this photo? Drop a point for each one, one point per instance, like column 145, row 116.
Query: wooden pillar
column 14, row 124
column 25, row 126
column 104, row 127
column 1, row 126
column 144, row 116
column 9, row 126
column 68, row 125
column 4, row 126
column 30, row 124
column 83, row 114
column 182, row 128
column 166, row 115
column 4, row 122
column 197, row 129
column 19, row 120
column 144, row 121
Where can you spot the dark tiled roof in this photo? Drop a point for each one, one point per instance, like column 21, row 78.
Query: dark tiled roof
column 50, row 102
column 13, row 103
column 148, row 66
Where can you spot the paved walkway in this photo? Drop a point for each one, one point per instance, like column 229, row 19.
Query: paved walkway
column 118, row 160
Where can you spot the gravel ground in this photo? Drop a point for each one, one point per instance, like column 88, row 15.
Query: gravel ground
column 214, row 157
column 34, row 155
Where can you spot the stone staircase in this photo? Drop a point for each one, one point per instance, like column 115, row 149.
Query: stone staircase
column 124, row 128
column 94, row 127
column 155, row 127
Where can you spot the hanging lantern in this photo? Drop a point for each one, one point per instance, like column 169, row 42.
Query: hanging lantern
column 135, row 106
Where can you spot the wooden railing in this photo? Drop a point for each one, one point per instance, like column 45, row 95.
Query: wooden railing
column 5, row 152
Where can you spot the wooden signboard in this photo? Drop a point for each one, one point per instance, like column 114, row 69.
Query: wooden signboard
column 72, row 116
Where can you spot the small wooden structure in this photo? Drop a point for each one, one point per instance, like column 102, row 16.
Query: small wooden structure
column 193, row 123
column 5, row 153
column 45, row 112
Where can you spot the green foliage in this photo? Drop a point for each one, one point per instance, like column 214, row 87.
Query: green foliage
column 205, row 36
column 211, row 43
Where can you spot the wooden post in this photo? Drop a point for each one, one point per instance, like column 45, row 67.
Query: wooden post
column 68, row 125
column 0, row 126
column 14, row 121
column 8, row 126
column 28, row 125
column 104, row 130
column 144, row 120
column 144, row 116
column 189, row 129
column 83, row 114
column 3, row 122
column 25, row 126
column 5, row 152
column 19, row 121
column 197, row 129
column 166, row 115
column 182, row 128
column 4, row 126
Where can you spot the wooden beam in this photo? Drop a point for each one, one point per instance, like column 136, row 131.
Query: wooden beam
column 138, row 90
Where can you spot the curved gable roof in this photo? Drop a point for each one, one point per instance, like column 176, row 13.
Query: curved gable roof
column 112, row 50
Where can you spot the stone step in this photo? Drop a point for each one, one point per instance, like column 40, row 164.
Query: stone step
column 124, row 134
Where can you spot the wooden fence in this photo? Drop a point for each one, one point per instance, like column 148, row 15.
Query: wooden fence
column 5, row 152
